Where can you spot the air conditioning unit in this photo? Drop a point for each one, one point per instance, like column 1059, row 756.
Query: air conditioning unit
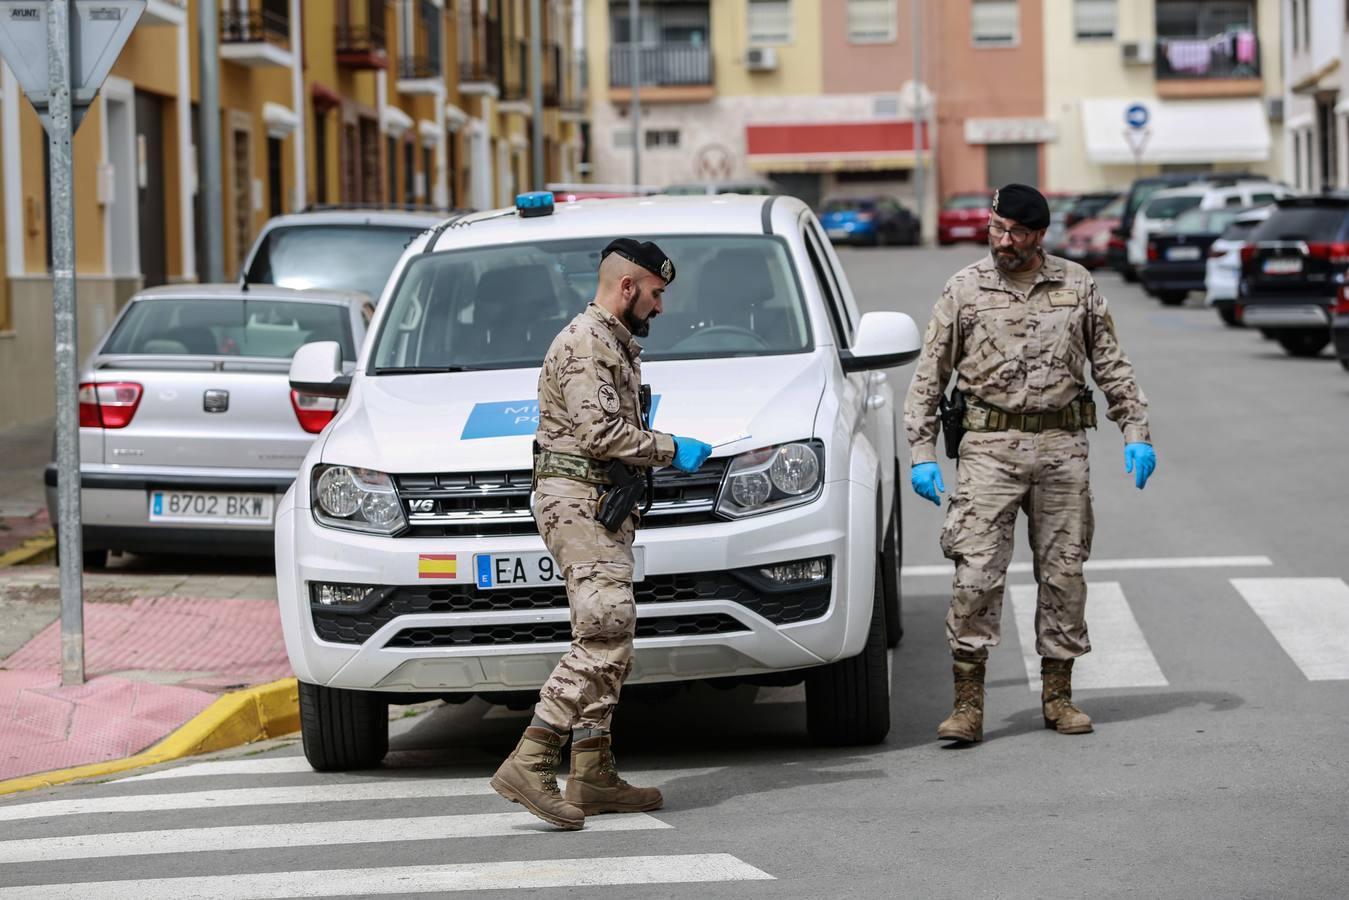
column 761, row 59
column 1274, row 109
column 1137, row 53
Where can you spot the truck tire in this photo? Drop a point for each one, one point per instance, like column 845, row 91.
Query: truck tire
column 1305, row 345
column 343, row 729
column 891, row 559
column 1228, row 314
column 1172, row 298
column 848, row 702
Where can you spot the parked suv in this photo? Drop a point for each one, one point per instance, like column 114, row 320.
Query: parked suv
column 408, row 562
column 1292, row 270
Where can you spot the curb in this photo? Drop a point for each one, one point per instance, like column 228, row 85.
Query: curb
column 29, row 550
column 239, row 717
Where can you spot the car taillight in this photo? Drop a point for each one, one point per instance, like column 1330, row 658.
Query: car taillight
column 1247, row 253
column 865, row 216
column 313, row 412
column 108, row 405
column 1341, row 307
column 1115, row 243
column 1152, row 251
column 1337, row 252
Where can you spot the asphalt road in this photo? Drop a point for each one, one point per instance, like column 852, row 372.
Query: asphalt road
column 1219, row 684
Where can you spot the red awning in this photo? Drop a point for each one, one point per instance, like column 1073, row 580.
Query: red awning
column 829, row 146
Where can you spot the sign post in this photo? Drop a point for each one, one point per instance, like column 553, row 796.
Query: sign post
column 61, row 60
column 1137, row 133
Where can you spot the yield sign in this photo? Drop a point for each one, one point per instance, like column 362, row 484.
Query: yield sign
column 99, row 29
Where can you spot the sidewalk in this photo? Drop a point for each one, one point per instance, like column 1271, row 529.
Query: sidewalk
column 25, row 451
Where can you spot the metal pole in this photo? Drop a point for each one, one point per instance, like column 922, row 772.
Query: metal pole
column 536, row 90
column 918, row 181
column 212, row 208
column 69, row 538
column 634, row 44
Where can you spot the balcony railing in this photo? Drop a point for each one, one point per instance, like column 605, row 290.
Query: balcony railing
column 419, row 67
column 254, row 26
column 480, row 51
column 360, row 36
column 1233, row 54
column 552, row 75
column 515, row 73
column 662, row 65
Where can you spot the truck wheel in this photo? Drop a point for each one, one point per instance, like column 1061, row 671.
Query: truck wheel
column 891, row 560
column 1229, row 316
column 1172, row 298
column 1303, row 344
column 848, row 702
column 343, row 729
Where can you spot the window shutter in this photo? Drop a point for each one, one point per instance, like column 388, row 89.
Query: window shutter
column 770, row 22
column 871, row 20
column 1094, row 18
column 996, row 21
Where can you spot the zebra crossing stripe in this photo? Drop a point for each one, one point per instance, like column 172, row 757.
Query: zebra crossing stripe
column 518, row 875
column 254, row 765
column 1120, row 656
column 1114, row 565
column 1309, row 617
column 301, row 834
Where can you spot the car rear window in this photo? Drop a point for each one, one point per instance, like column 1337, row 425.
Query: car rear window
column 336, row 257
column 1239, row 231
column 500, row 307
column 1170, row 207
column 226, row 326
column 968, row 201
column 1302, row 223
column 1204, row 221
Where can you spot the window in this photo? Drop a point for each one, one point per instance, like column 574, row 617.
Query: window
column 1094, row 19
column 350, row 257
column 267, row 329
column 871, row 21
column 274, row 188
column 662, row 139
column 391, row 158
column 770, row 22
column 995, row 23
column 320, row 156
column 1204, row 18
column 622, row 138
column 409, row 179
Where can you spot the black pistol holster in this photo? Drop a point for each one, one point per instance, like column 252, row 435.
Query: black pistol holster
column 952, row 413
column 628, row 486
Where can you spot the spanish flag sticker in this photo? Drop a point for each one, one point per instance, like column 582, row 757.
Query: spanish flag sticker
column 437, row 565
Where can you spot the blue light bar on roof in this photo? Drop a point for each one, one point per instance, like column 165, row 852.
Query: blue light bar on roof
column 534, row 203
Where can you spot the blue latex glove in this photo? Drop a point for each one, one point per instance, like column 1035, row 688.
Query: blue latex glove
column 690, row 453
column 1140, row 459
column 926, row 480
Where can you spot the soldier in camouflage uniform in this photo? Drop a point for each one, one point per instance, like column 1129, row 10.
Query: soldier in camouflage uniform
column 1018, row 328
column 589, row 415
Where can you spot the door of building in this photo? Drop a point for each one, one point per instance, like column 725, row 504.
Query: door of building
column 1008, row 163
column 150, row 183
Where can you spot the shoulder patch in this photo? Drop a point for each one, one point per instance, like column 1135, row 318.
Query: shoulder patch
column 608, row 398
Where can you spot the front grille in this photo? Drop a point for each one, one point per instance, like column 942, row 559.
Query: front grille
column 471, row 504
column 552, row 632
column 781, row 607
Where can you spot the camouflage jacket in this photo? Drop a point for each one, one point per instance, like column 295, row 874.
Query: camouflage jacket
column 589, row 395
column 1021, row 352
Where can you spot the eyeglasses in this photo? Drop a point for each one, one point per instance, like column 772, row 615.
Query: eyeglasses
column 1018, row 234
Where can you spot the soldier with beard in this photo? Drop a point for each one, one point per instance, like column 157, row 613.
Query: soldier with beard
column 1018, row 328
column 590, row 415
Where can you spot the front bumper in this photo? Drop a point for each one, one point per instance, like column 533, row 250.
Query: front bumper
column 463, row 640
column 1339, row 333
column 1302, row 316
column 1172, row 277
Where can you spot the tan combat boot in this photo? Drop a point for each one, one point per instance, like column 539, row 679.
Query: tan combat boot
column 595, row 786
column 1056, row 695
column 966, row 722
column 529, row 777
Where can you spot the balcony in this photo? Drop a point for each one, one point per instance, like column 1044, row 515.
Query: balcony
column 259, row 37
column 421, row 65
column 552, row 76
column 515, row 72
column 360, row 37
column 670, row 72
column 1222, row 65
column 479, row 54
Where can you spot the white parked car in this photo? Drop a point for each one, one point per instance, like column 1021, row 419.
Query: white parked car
column 408, row 563
column 1222, row 274
column 1162, row 208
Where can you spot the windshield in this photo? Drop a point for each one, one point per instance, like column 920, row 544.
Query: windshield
column 501, row 307
column 229, row 326
column 1112, row 210
column 838, row 206
column 340, row 257
column 1302, row 223
column 966, row 201
column 1204, row 221
column 1170, row 207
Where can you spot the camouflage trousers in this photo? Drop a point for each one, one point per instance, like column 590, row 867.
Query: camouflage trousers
column 1047, row 476
column 583, row 690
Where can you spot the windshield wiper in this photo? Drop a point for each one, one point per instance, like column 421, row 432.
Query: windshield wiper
column 423, row 370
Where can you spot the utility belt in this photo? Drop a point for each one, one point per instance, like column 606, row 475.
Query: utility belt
column 1077, row 415
column 552, row 464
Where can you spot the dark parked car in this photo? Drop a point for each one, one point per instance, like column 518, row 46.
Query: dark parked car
column 1088, row 206
column 1292, row 271
column 964, row 217
column 1178, row 257
column 868, row 220
column 1339, row 326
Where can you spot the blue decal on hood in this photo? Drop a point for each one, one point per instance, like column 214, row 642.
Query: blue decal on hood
column 512, row 419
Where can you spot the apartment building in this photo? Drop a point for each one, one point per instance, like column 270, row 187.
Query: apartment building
column 1316, row 99
column 322, row 102
column 1207, row 72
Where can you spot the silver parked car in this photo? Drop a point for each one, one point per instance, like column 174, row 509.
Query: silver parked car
column 189, row 428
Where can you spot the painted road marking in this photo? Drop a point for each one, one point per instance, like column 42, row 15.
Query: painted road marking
column 1120, row 656
column 596, row 871
column 1309, row 617
column 253, row 765
column 1112, row 565
column 301, row 834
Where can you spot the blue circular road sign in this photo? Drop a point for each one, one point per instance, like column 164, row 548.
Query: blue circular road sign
column 1136, row 115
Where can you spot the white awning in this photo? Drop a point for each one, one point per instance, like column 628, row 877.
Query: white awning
column 279, row 120
column 455, row 118
column 1178, row 131
column 428, row 132
column 396, row 122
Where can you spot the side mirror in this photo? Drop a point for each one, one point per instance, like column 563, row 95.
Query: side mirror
column 884, row 339
column 317, row 369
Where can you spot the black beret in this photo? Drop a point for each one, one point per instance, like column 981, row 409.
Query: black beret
column 1023, row 203
column 645, row 254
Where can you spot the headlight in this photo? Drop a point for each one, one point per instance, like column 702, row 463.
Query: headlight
column 356, row 500
column 771, row 479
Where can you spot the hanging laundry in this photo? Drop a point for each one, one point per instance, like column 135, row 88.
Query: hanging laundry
column 1188, row 56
